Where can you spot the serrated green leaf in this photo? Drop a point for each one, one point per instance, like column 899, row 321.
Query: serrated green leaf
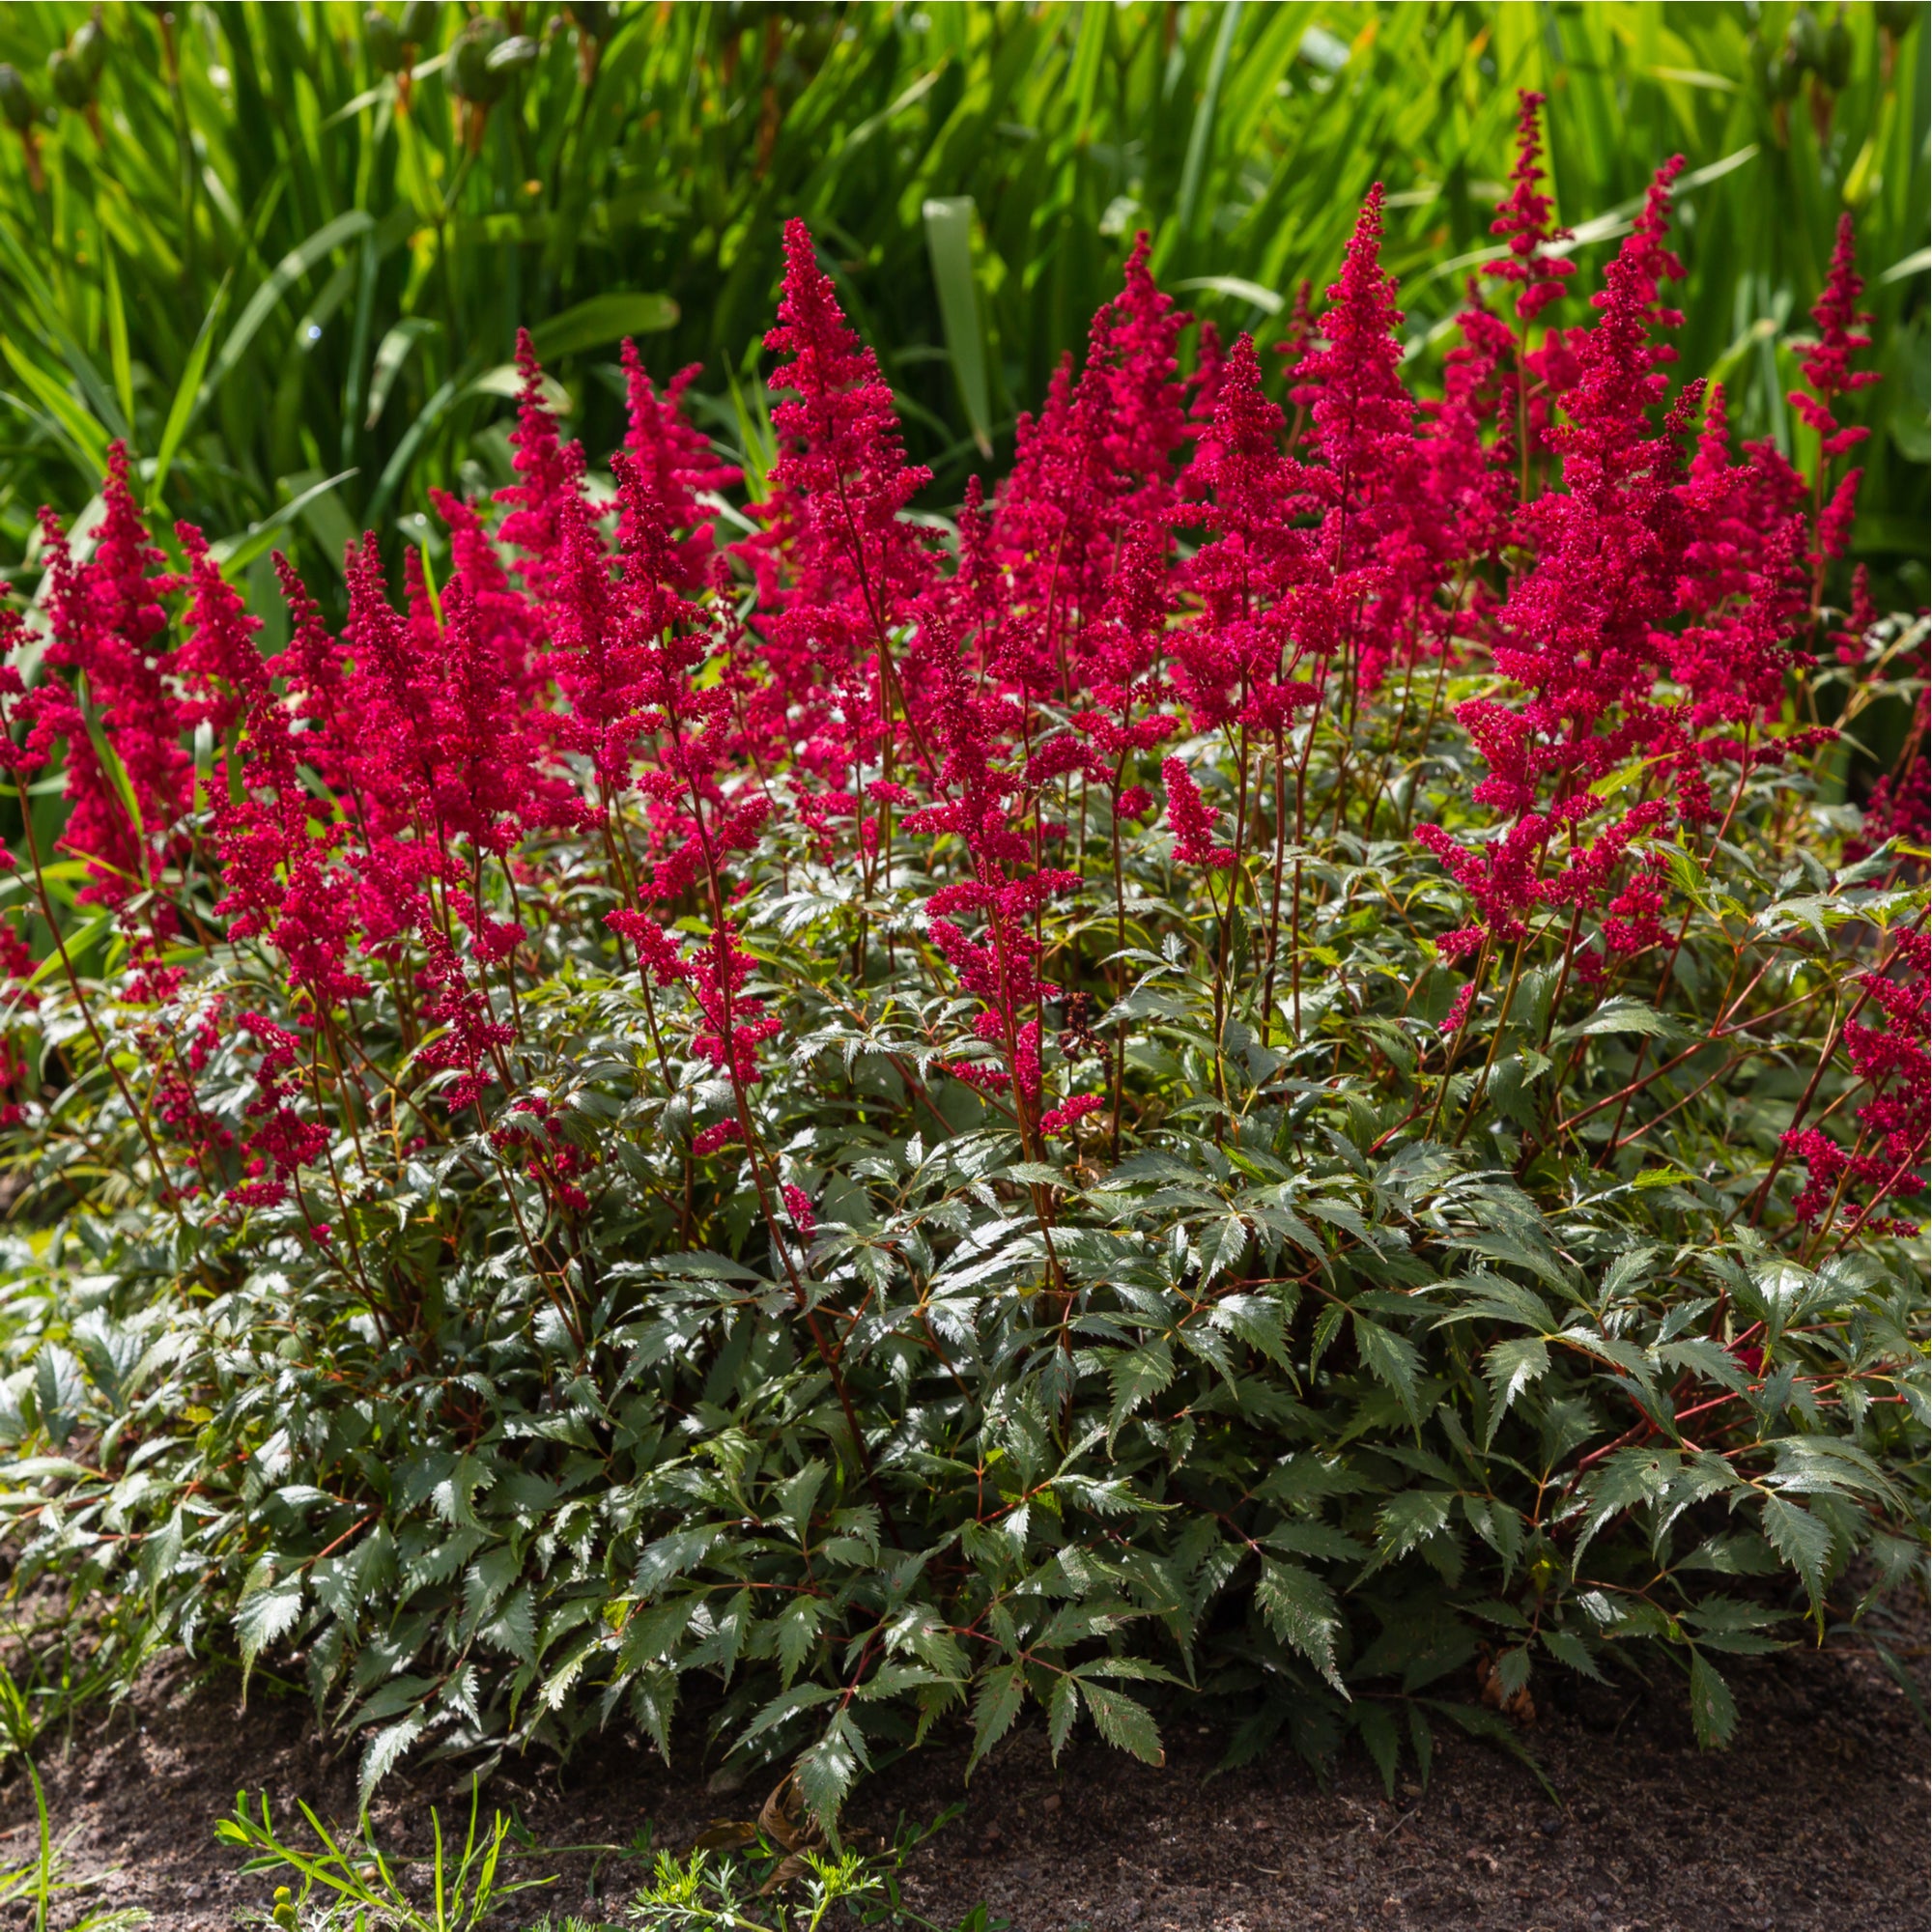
column 826, row 1770
column 1124, row 1723
column 1002, row 1692
column 1394, row 1361
column 384, row 1751
column 1300, row 1609
column 1510, row 1367
column 1137, row 1377
column 1567, row 1648
column 265, row 1617
column 1713, row 1711
column 1801, row 1539
column 1063, row 1705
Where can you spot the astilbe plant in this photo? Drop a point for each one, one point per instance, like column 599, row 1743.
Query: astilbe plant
column 1259, row 1065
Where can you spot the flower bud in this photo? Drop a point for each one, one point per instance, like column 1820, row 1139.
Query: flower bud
column 471, row 76
column 70, row 85
column 1897, row 17
column 16, row 103
column 1835, row 67
column 597, row 18
column 419, row 20
column 1782, row 76
column 1805, row 39
column 89, row 49
column 384, row 42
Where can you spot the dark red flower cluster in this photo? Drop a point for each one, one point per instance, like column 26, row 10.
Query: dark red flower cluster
column 1890, row 1052
column 600, row 671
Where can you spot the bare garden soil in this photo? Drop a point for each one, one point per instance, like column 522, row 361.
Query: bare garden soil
column 1815, row 1821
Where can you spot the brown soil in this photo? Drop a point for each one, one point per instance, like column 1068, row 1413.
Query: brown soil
column 1816, row 1821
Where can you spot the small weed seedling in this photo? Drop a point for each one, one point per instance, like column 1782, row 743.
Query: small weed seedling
column 695, row 1894
column 39, row 1881
column 353, row 1885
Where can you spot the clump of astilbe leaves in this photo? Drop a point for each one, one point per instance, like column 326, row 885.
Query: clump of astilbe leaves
column 1256, row 1069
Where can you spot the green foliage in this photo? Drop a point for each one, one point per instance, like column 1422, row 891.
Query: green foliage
column 350, row 1882
column 1348, row 1353
column 791, row 1885
column 780, row 1890
column 290, row 271
column 1279, row 1416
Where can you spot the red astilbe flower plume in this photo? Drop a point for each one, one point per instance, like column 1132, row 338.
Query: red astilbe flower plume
column 549, row 475
column 1524, row 218
column 107, row 626
column 1892, row 1058
column 1579, row 624
column 1193, row 822
column 1064, row 1117
column 1299, row 337
column 492, row 786
column 1131, row 384
column 412, row 792
column 446, row 747
column 218, row 661
column 1369, row 479
column 654, row 654
column 1853, row 640
column 597, row 654
column 315, row 670
column 389, row 692
column 836, row 563
column 1121, row 721
column 1000, row 966
column 1581, row 630
column 514, row 627
column 1640, row 573
column 735, row 1025
column 1828, row 362
column 1471, row 476
column 275, row 868
column 283, row 1140
column 1210, row 361
column 175, row 1056
column 21, row 756
column 659, row 958
column 1253, row 622
column 1097, row 462
column 1901, row 812
column 798, row 1205
column 1453, row 1021
column 1827, row 370
column 1500, row 879
column 1349, row 381
column 674, row 464
column 472, row 1038
column 1052, row 539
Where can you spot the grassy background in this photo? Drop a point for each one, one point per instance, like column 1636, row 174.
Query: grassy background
column 297, row 298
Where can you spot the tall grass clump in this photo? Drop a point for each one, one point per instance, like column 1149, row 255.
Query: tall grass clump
column 1252, row 1070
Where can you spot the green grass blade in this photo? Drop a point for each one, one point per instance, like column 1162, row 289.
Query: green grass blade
column 290, row 270
column 118, row 358
column 236, row 553
column 391, row 353
column 187, row 394
column 602, row 318
column 82, row 434
column 949, row 239
column 1204, row 119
